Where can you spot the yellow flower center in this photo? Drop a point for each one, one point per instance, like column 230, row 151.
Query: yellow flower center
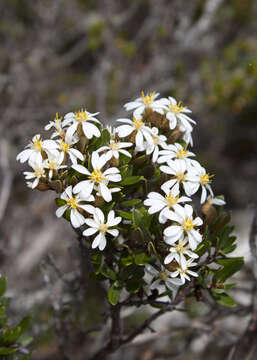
column 138, row 123
column 181, row 154
column 37, row 145
column 97, row 176
column 64, row 146
column 81, row 116
column 156, row 140
column 52, row 164
column 180, row 248
column 147, row 99
column 170, row 200
column 38, row 172
column 206, row 179
column 115, row 146
column 188, row 224
column 103, row 228
column 181, row 176
column 57, row 120
column 163, row 276
column 177, row 108
column 72, row 203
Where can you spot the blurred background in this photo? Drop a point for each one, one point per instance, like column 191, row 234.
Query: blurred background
column 60, row 56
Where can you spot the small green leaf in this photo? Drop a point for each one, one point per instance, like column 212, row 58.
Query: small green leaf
column 131, row 180
column 114, row 293
column 108, row 272
column 7, row 351
column 3, row 285
column 229, row 267
column 142, row 258
column 224, row 300
column 125, row 215
column 60, row 202
column 133, row 286
column 129, row 203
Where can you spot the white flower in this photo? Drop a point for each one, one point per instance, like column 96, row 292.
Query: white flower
column 54, row 162
column 84, row 118
column 145, row 102
column 65, row 147
column 36, row 146
column 183, row 216
column 218, row 201
column 97, row 177
column 143, row 132
column 58, row 124
column 157, row 202
column 73, row 202
column 183, row 271
column 98, row 224
column 182, row 175
column 115, row 148
column 158, row 140
column 38, row 166
column 202, row 179
column 162, row 277
column 177, row 114
column 178, row 252
column 175, row 151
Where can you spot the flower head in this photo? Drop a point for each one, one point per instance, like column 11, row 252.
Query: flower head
column 84, row 119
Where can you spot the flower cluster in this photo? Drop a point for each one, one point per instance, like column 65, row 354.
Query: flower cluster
column 128, row 189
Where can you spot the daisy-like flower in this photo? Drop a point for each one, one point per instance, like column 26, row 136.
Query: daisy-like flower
column 36, row 146
column 143, row 132
column 158, row 141
column 183, row 216
column 98, row 224
column 73, row 202
column 114, row 148
column 176, row 113
column 38, row 165
column 97, row 178
column 145, row 102
column 157, row 202
column 183, row 271
column 181, row 175
column 65, row 147
column 178, row 252
column 175, row 151
column 202, row 179
column 162, row 277
column 54, row 163
column 84, row 119
column 58, row 124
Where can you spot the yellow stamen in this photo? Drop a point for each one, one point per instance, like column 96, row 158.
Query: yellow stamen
column 170, row 200
column 147, row 99
column 57, row 119
column 38, row 172
column 138, row 123
column 181, row 154
column 163, row 275
column 37, row 145
column 97, row 176
column 156, row 140
column 52, row 164
column 103, row 228
column 177, row 108
column 81, row 116
column 206, row 179
column 72, row 203
column 115, row 146
column 188, row 224
column 180, row 248
column 64, row 146
column 181, row 176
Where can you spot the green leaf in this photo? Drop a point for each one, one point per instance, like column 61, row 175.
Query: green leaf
column 60, row 202
column 133, row 286
column 131, row 180
column 114, row 293
column 108, row 272
column 142, row 258
column 125, row 215
column 127, row 260
column 3, row 285
column 129, row 203
column 229, row 267
column 224, row 300
column 7, row 351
